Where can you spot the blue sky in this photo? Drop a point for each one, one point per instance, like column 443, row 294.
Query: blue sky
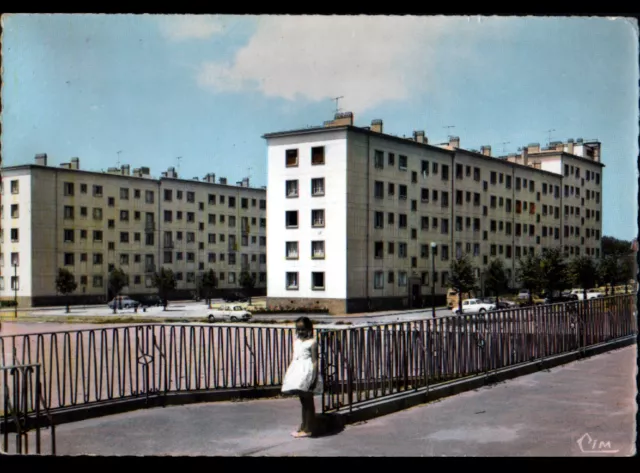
column 207, row 87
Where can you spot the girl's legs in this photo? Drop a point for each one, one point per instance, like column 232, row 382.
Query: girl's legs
column 309, row 413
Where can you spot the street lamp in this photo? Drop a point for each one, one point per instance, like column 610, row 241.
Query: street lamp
column 433, row 279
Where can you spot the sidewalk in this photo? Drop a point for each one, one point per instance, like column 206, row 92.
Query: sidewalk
column 543, row 414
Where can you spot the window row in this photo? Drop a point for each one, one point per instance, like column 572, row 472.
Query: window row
column 317, row 218
column 575, row 171
column 316, row 188
column 97, row 191
column 212, row 239
column 292, row 249
column 230, row 258
column 15, row 259
column 426, row 169
column 292, row 282
column 292, row 156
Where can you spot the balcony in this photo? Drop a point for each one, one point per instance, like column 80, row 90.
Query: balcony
column 150, row 268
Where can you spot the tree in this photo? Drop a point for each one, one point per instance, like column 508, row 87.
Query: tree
column 209, row 283
column 118, row 280
column 582, row 272
column 165, row 282
column 496, row 278
column 248, row 282
column 614, row 247
column 609, row 271
column 66, row 283
column 462, row 278
column 553, row 271
column 529, row 273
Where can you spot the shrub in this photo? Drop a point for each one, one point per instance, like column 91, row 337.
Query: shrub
column 8, row 303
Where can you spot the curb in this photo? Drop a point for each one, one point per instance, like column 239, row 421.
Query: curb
column 402, row 401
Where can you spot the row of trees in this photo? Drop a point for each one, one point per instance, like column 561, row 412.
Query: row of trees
column 549, row 272
column 164, row 281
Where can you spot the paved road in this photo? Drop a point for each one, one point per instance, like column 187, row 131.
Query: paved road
column 543, row 414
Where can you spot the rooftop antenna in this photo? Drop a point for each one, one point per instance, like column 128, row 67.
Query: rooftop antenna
column 504, row 148
column 179, row 158
column 118, row 153
column 249, row 172
column 448, row 127
column 336, row 99
column 549, row 131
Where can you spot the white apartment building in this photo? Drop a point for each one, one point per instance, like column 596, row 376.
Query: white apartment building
column 90, row 222
column 353, row 212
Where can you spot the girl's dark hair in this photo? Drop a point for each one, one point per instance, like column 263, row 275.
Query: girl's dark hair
column 304, row 327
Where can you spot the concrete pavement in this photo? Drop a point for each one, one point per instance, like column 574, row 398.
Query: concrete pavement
column 585, row 408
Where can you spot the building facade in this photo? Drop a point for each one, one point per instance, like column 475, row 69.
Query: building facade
column 359, row 211
column 91, row 222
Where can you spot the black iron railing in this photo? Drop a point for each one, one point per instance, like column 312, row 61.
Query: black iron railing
column 82, row 367
column 367, row 363
column 23, row 412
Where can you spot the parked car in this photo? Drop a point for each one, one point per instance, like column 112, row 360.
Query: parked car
column 235, row 297
column 123, row 302
column 501, row 304
column 523, row 294
column 229, row 312
column 591, row 294
column 561, row 298
column 151, row 301
column 474, row 306
column 452, row 297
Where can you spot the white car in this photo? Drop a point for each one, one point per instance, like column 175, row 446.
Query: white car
column 591, row 294
column 474, row 306
column 233, row 313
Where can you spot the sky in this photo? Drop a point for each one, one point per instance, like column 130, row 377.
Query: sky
column 197, row 92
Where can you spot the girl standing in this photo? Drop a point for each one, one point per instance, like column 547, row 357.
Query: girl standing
column 303, row 377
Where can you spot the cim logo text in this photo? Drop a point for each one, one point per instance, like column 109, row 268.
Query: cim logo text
column 588, row 444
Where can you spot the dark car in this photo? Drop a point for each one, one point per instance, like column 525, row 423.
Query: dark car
column 501, row 304
column 235, row 297
column 151, row 301
column 560, row 299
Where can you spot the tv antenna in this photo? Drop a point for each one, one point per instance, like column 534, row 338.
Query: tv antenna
column 336, row 99
column 118, row 153
column 549, row 131
column 179, row 158
column 504, row 148
column 448, row 128
column 249, row 172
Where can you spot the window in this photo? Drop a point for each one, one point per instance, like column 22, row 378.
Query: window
column 476, row 249
column 378, row 220
column 191, row 197
column 414, row 234
column 424, row 251
column 390, row 277
column 390, row 248
column 402, row 220
column 459, row 171
column 124, row 237
column 391, row 189
column 292, row 250
column 317, row 155
column 402, row 278
column 232, row 202
column 149, row 197
column 414, row 205
column 424, row 195
column 508, row 182
column 97, row 258
column 378, row 280
column 493, row 177
column 392, row 159
column 378, row 159
column 69, row 236
column 391, row 218
column 476, row 199
column 444, row 253
column 493, row 202
column 263, row 204
column 424, row 223
column 68, row 188
column 402, row 250
column 317, row 186
column 378, row 189
column 425, row 168
column 317, row 218
column 317, row 249
column 15, row 188
column 291, row 158
column 402, row 192
column 124, row 193
column 414, row 177
column 444, row 200
column 68, row 212
column 317, row 281
column 291, row 219
column 476, row 174
column 458, row 224
column 402, row 163
column 445, row 172
column 378, row 249
column 124, row 215
column 111, row 201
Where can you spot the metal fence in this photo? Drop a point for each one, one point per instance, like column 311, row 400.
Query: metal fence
column 83, row 367
column 368, row 363
column 23, row 410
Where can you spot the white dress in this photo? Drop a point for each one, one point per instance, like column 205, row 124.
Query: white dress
column 300, row 375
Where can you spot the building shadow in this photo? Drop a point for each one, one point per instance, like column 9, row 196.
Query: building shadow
column 328, row 425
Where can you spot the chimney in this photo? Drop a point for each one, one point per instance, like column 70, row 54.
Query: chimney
column 211, row 178
column 376, row 125
column 245, row 182
column 41, row 159
column 75, row 163
column 65, row 165
column 126, row 170
column 570, row 146
column 533, row 148
column 164, row 174
column 486, row 150
column 223, row 180
column 454, row 142
column 145, row 171
column 418, row 136
column 525, row 156
column 341, row 119
column 171, row 172
column 579, row 140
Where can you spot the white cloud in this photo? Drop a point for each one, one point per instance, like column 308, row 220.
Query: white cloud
column 183, row 27
column 368, row 60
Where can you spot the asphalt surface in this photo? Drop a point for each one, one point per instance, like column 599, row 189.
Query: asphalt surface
column 542, row 414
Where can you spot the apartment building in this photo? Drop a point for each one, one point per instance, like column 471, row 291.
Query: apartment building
column 354, row 212
column 90, row 222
